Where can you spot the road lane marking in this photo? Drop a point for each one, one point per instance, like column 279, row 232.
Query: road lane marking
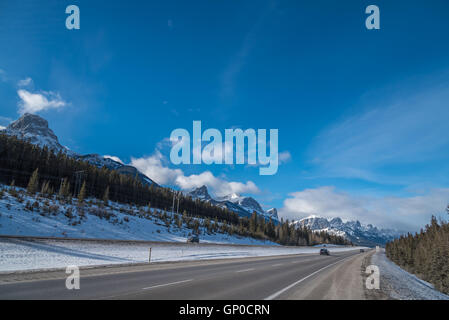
column 277, row 265
column 277, row 294
column 245, row 270
column 167, row 284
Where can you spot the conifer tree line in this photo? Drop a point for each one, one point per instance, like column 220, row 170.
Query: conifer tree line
column 425, row 254
column 41, row 170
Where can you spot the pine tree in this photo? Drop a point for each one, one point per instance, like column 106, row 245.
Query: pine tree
column 46, row 188
column 82, row 193
column 33, row 184
column 106, row 196
column 64, row 190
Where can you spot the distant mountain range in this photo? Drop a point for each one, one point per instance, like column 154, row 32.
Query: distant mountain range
column 243, row 206
column 35, row 130
column 353, row 230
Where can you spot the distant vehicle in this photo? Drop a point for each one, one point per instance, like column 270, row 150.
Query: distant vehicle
column 193, row 239
column 324, row 251
column 362, row 250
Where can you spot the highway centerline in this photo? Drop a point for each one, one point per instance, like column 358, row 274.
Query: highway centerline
column 246, row 270
column 167, row 284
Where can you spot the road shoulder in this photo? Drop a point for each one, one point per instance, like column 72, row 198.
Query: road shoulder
column 343, row 281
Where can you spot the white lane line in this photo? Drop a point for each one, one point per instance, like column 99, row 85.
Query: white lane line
column 277, row 265
column 245, row 270
column 167, row 284
column 277, row 294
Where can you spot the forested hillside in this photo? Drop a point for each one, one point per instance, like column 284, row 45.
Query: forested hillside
column 50, row 174
column 425, row 254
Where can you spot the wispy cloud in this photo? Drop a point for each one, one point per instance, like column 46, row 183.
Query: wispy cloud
column 284, row 157
column 404, row 213
column 35, row 102
column 409, row 131
column 24, row 82
column 240, row 59
column 3, row 76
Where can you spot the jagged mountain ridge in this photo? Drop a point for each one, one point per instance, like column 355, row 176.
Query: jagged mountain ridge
column 35, row 129
column 355, row 231
column 243, row 206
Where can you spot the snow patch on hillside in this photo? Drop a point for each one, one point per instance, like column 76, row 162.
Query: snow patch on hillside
column 17, row 220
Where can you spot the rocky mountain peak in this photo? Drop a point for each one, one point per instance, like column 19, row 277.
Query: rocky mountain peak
column 34, row 129
column 200, row 193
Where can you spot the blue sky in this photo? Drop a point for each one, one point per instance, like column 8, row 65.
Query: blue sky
column 362, row 114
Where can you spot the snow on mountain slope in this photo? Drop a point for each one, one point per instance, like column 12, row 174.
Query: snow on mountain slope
column 35, row 129
column 352, row 230
column 243, row 206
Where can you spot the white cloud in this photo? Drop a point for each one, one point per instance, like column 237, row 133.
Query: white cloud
column 2, row 128
column 35, row 102
column 155, row 167
column 404, row 213
column 113, row 158
column 25, row 82
column 284, row 157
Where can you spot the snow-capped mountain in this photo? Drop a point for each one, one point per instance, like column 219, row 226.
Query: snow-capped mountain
column 355, row 231
column 35, row 129
column 201, row 194
column 243, row 206
column 273, row 213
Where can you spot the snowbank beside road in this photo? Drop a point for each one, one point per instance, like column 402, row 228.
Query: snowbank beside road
column 17, row 254
column 401, row 285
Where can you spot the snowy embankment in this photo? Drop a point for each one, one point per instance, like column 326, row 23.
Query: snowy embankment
column 22, row 215
column 52, row 218
column 18, row 254
column 401, row 285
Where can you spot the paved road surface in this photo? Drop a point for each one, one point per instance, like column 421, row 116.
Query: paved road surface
column 282, row 277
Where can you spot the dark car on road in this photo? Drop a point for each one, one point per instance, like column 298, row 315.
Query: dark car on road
column 324, row 252
column 362, row 250
column 193, row 239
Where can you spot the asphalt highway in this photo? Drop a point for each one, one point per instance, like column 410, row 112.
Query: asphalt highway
column 281, row 277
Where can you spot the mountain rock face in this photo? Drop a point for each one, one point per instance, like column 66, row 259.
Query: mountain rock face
column 352, row 230
column 273, row 212
column 201, row 194
column 243, row 206
column 34, row 129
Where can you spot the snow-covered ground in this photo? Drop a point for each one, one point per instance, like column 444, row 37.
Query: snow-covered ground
column 17, row 220
column 17, row 254
column 20, row 216
column 401, row 285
